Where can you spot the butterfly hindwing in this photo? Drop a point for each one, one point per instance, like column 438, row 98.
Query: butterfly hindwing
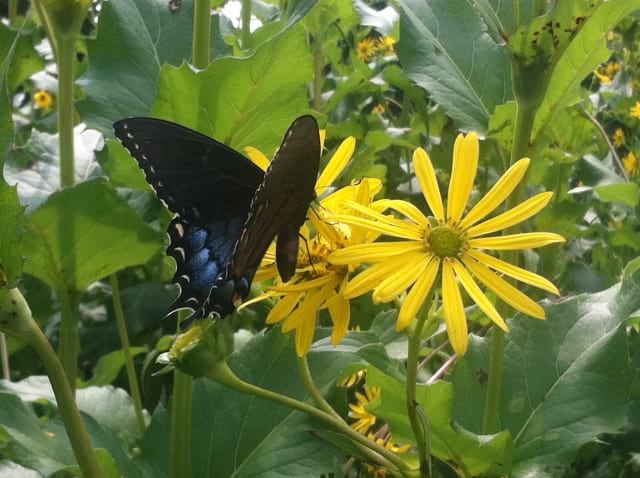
column 280, row 205
column 208, row 186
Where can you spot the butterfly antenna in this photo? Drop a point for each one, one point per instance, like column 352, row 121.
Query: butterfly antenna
column 306, row 246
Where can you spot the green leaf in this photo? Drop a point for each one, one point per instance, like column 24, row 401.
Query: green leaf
column 449, row 441
column 135, row 39
column 507, row 16
column 254, row 99
column 240, row 435
column 623, row 193
column 82, row 234
column 11, row 212
column 567, row 379
column 24, row 61
column 121, row 167
column 587, row 50
column 434, row 50
column 109, row 366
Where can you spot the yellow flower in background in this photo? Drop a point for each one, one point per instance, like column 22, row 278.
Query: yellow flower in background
column 358, row 411
column 379, row 109
column 353, row 379
column 618, row 137
column 602, row 76
column 366, row 48
column 386, row 45
column 318, row 283
column 634, row 111
column 43, row 99
column 449, row 245
column 612, row 69
column 630, row 163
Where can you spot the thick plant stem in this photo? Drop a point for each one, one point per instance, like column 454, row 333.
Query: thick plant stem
column 180, row 459
column 16, row 320
column 13, row 12
column 420, row 432
column 66, row 52
column 4, row 357
column 201, row 45
column 224, row 375
column 126, row 350
column 525, row 117
column 68, row 346
column 245, row 34
column 316, row 395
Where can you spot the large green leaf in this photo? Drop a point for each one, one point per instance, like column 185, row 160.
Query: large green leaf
column 567, row 379
column 239, row 435
column 586, row 51
column 11, row 213
column 84, row 233
column 241, row 101
column 22, row 56
column 445, row 48
column 135, row 38
column 475, row 453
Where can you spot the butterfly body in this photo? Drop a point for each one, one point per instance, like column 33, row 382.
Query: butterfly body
column 227, row 211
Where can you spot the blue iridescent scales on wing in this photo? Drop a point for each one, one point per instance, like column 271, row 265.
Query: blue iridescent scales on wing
column 227, row 211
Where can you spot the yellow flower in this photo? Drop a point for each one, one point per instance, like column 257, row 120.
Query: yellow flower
column 358, row 411
column 386, row 45
column 630, row 163
column 43, row 99
column 379, row 108
column 634, row 111
column 353, row 379
column 618, row 137
column 448, row 245
column 612, row 69
column 602, row 76
column 366, row 48
column 317, row 283
column 388, row 444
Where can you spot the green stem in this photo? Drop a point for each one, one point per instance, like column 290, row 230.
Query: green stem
column 181, row 417
column 126, row 350
column 16, row 320
column 525, row 117
column 245, row 33
column 4, row 357
column 318, row 70
column 224, row 375
column 13, row 12
column 68, row 345
column 316, row 395
column 201, row 34
column 66, row 52
column 420, row 433
column 47, row 24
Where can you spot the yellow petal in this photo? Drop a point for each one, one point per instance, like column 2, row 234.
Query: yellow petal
column 304, row 337
column 333, row 201
column 497, row 194
column 307, row 310
column 406, row 208
column 512, row 242
column 417, row 294
column 336, row 164
column 340, row 313
column 453, row 310
column 371, row 277
column 378, row 226
column 256, row 299
column 428, row 182
column 323, row 136
column 517, row 214
column 463, row 174
column 508, row 293
column 305, row 286
column 283, row 308
column 394, row 285
column 516, row 272
column 257, row 157
column 374, row 252
column 477, row 295
column 327, row 229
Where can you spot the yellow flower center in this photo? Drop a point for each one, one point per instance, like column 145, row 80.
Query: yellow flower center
column 315, row 260
column 445, row 241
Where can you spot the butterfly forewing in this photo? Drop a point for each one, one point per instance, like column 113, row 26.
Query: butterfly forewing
column 208, row 186
column 280, row 205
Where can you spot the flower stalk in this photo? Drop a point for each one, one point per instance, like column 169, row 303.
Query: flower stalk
column 316, row 395
column 16, row 320
column 201, row 45
column 245, row 32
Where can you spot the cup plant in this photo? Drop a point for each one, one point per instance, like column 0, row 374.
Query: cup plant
column 466, row 295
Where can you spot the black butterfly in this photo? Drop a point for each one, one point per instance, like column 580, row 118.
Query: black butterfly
column 227, row 211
